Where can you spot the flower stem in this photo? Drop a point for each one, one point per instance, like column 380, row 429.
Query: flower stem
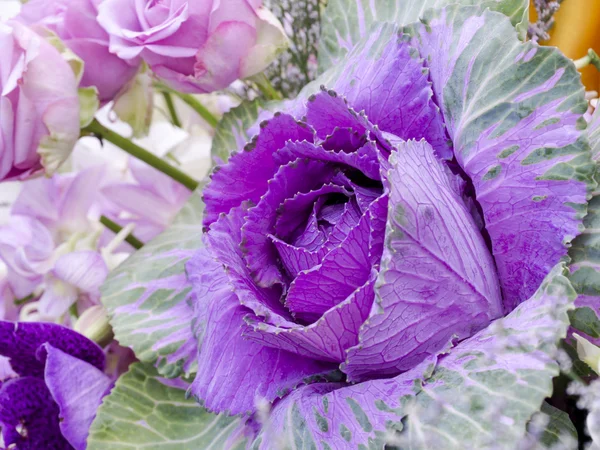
column 199, row 108
column 591, row 58
column 191, row 101
column 22, row 301
column 116, row 228
column 135, row 150
column 171, row 108
column 265, row 86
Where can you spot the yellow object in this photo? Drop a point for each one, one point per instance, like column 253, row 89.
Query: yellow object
column 577, row 28
column 588, row 353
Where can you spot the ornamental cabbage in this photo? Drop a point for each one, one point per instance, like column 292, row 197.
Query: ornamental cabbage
column 427, row 189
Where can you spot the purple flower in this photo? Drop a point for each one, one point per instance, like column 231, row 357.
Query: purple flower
column 39, row 106
column 364, row 230
column 150, row 202
column 57, row 384
column 47, row 212
column 194, row 46
column 74, row 22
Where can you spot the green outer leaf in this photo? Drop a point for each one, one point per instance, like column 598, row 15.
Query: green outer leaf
column 585, row 319
column 88, row 105
column 485, row 391
column 231, row 133
column 345, row 22
column 143, row 413
column 585, row 251
column 559, row 430
column 146, row 296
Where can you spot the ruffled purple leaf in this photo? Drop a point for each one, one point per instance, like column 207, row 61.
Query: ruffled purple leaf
column 348, row 220
column 295, row 210
column 347, row 140
column 223, row 240
column 394, row 91
column 22, row 342
column 329, row 337
column 245, row 177
column 77, row 387
column 519, row 138
column 326, row 112
column 437, row 278
column 343, row 270
column 235, row 373
column 363, row 158
column 292, row 178
column 296, row 259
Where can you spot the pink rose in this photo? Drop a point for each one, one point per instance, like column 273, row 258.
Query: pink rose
column 39, row 106
column 74, row 22
column 194, row 46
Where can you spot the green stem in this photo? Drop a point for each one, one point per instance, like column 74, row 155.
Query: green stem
column 22, row 301
column 199, row 108
column 73, row 310
column 265, row 86
column 135, row 150
column 591, row 58
column 172, row 110
column 116, row 228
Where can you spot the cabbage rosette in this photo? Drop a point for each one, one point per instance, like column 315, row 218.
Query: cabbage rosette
column 394, row 238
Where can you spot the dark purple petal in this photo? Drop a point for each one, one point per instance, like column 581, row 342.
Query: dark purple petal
column 343, row 269
column 329, row 337
column 395, row 92
column 29, row 416
column 21, row 343
column 363, row 159
column 437, row 278
column 233, row 372
column 78, row 388
column 245, row 176
column 295, row 177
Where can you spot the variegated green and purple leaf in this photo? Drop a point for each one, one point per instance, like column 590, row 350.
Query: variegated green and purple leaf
column 585, row 253
column 345, row 23
column 232, row 132
column 484, row 391
column 514, row 112
column 147, row 296
column 552, row 428
column 145, row 412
